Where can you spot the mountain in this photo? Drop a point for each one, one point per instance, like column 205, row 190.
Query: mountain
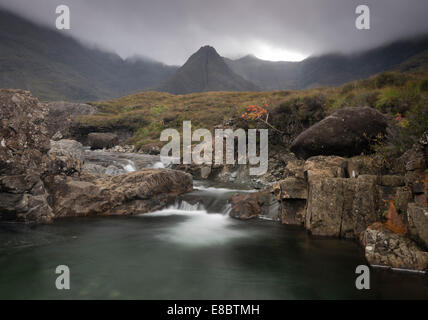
column 268, row 75
column 56, row 67
column 333, row 69
column 205, row 71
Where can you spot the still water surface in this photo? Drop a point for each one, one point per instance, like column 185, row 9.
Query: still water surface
column 191, row 250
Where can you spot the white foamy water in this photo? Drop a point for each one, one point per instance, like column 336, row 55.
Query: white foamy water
column 158, row 165
column 221, row 190
column 201, row 228
column 130, row 167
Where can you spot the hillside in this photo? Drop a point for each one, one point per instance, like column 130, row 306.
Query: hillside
column 205, row 71
column 146, row 114
column 56, row 67
column 332, row 69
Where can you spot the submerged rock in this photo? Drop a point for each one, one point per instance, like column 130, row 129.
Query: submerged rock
column 347, row 132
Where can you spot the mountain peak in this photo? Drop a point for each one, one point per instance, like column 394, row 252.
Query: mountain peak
column 205, row 71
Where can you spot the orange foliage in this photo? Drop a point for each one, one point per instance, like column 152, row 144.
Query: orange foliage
column 394, row 221
column 254, row 112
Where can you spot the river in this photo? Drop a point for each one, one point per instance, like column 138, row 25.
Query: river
column 190, row 250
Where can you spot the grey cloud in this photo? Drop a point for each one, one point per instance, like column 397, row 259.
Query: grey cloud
column 171, row 30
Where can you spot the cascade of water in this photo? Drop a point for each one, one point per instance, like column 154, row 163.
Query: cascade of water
column 130, row 167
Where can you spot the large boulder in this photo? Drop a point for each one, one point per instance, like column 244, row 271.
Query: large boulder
column 133, row 193
column 24, row 144
column 347, row 132
column 385, row 248
column 60, row 115
column 102, row 140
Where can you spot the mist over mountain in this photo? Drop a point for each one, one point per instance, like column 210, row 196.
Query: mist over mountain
column 268, row 75
column 205, row 71
column 331, row 69
column 54, row 66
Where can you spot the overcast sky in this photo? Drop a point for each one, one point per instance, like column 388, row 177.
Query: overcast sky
column 171, row 30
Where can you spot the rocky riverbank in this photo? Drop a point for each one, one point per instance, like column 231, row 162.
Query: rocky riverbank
column 354, row 197
column 348, row 196
column 41, row 181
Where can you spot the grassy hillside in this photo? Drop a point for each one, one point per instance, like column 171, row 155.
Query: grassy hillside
column 402, row 96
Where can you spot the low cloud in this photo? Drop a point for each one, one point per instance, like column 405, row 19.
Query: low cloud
column 171, row 30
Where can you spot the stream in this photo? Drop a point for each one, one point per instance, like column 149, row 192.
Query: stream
column 190, row 250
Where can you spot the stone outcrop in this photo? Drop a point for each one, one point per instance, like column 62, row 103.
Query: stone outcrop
column 101, row 140
column 346, row 132
column 133, row 193
column 385, row 248
column 292, row 193
column 60, row 115
column 24, row 144
column 417, row 216
column 42, row 180
column 66, row 156
column 320, row 195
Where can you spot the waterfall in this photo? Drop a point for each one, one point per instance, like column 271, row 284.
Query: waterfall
column 130, row 167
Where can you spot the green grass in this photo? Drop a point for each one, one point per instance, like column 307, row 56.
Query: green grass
column 148, row 113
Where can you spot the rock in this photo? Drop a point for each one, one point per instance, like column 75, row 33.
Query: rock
column 123, row 149
column 329, row 211
column 23, row 135
column 392, row 181
column 57, row 136
column 417, row 217
column 295, row 168
column 133, row 193
column 340, row 207
column 347, row 132
column 249, row 205
column 293, row 211
column 292, row 193
column 67, row 157
column 291, row 188
column 58, row 120
column 365, row 204
column 152, row 148
column 205, row 172
column 385, row 248
column 416, row 178
column 101, row 140
column 67, row 148
column 23, row 158
column 323, row 167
